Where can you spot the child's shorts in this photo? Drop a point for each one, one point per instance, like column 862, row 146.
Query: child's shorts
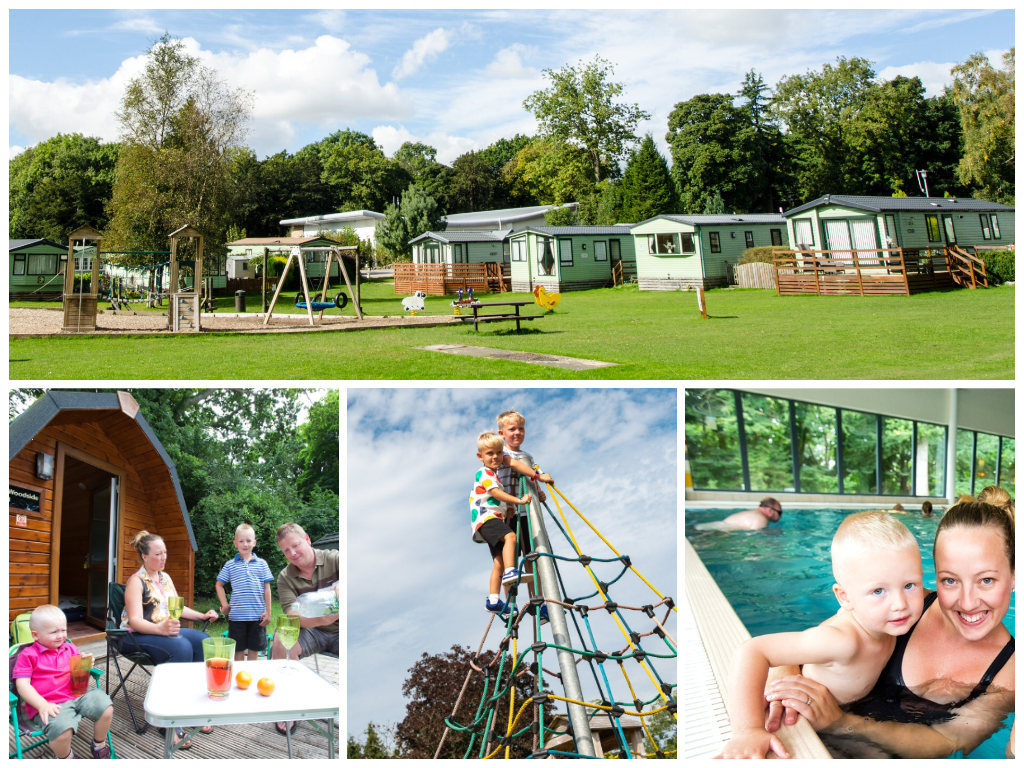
column 92, row 704
column 494, row 532
column 248, row 635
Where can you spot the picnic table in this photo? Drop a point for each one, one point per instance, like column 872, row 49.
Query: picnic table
column 501, row 315
column 177, row 698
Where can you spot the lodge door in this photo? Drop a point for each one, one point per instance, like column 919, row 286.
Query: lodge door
column 85, row 556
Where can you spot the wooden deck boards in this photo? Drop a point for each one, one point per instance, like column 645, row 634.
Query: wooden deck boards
column 256, row 740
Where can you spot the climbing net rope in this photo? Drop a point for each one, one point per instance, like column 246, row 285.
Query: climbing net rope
column 509, row 670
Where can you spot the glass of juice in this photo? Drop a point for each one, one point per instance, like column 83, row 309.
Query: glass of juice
column 175, row 605
column 80, row 666
column 288, row 634
column 219, row 653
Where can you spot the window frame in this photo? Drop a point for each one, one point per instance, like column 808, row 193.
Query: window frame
column 986, row 226
column 683, row 238
column 715, row 242
column 933, row 227
column 994, row 219
column 19, row 258
column 518, row 249
column 748, row 238
column 654, row 238
column 776, row 236
column 562, row 260
column 598, row 255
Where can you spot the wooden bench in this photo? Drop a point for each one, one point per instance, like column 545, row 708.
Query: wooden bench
column 495, row 316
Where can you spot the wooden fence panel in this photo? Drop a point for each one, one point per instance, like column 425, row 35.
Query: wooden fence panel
column 443, row 279
column 758, row 274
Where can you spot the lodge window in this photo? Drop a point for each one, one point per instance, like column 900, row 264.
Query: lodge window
column 36, row 264
column 506, row 251
column 614, row 250
column 748, row 237
column 931, row 222
column 986, row 230
column 600, row 250
column 688, row 243
column 518, row 252
column 459, row 256
column 565, row 252
column 890, row 230
column 776, row 237
column 716, row 242
column 545, row 256
column 663, row 244
column 995, row 226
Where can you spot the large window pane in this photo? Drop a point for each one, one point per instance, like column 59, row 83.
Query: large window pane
column 859, row 452
column 930, row 458
column 1007, row 467
column 985, row 458
column 816, row 447
column 712, row 439
column 896, row 453
column 766, row 424
column 964, row 463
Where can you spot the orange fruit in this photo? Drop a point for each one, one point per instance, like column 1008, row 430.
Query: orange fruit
column 243, row 679
column 265, row 686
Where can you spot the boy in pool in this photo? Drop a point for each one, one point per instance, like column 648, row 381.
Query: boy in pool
column 877, row 566
column 489, row 504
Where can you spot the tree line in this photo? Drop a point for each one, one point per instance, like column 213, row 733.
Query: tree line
column 182, row 157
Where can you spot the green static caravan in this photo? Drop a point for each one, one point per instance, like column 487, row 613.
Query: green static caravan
column 36, row 269
column 677, row 252
column 241, row 251
column 572, row 258
column 461, row 247
column 842, row 222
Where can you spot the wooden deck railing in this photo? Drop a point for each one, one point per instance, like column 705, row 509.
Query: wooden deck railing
column 966, row 268
column 863, row 271
column 442, row 279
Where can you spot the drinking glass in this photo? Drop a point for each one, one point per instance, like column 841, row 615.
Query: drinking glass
column 219, row 652
column 80, row 666
column 175, row 605
column 288, row 634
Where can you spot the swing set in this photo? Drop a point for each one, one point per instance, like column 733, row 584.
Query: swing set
column 297, row 255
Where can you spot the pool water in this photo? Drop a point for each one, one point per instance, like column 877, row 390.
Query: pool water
column 779, row 579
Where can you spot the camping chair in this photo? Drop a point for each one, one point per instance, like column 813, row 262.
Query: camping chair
column 134, row 653
column 19, row 722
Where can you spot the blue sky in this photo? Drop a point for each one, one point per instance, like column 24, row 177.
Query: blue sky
column 416, row 581
column 455, row 79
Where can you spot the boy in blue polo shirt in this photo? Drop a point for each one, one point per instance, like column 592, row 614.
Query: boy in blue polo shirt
column 249, row 610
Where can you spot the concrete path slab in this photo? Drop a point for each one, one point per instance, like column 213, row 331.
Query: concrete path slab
column 556, row 361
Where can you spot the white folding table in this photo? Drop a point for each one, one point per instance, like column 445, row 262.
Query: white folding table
column 177, row 698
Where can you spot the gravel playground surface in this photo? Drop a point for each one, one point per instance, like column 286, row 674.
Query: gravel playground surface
column 47, row 322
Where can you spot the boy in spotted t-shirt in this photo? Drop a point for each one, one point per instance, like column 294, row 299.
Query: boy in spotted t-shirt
column 488, row 506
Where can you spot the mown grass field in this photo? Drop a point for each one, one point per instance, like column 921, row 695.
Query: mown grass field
column 751, row 334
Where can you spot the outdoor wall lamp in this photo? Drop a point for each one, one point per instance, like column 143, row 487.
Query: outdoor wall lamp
column 44, row 466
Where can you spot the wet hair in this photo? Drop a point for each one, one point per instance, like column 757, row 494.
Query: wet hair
column 490, row 440
column 977, row 514
column 926, row 508
column 289, row 528
column 45, row 614
column 873, row 529
column 508, row 416
column 997, row 497
column 769, row 503
column 142, row 540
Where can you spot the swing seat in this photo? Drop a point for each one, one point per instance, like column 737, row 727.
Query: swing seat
column 340, row 300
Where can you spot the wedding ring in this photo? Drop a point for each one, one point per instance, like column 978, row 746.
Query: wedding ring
column 808, row 701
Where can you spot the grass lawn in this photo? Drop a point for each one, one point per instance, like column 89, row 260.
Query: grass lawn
column 751, row 334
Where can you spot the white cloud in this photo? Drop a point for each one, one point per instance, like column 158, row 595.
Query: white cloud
column 425, row 49
column 934, row 75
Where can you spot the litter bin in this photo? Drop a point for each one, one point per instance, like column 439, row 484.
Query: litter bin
column 239, row 301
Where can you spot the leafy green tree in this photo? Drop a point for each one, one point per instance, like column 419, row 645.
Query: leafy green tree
column 818, row 110
column 552, row 171
column 360, row 177
column 766, row 182
column 179, row 124
column 647, row 188
column 420, row 162
column 580, row 107
column 713, row 202
column 378, row 744
column 472, row 184
column 59, row 185
column 319, row 454
column 417, row 213
column 711, row 148
column 985, row 97
column 609, row 203
column 497, row 156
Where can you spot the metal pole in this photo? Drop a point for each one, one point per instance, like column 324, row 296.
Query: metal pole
column 559, row 629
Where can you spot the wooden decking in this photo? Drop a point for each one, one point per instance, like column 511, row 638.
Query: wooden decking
column 876, row 271
column 444, row 279
column 258, row 740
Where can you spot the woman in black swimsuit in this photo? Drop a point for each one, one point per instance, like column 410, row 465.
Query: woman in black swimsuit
column 949, row 682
